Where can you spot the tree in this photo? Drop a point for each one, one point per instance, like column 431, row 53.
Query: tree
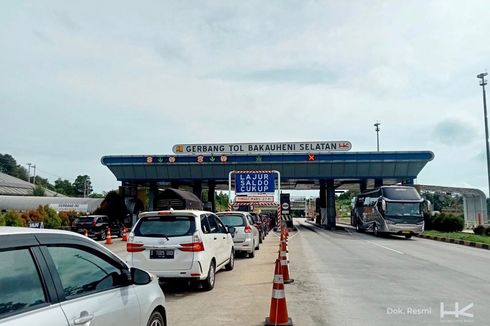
column 38, row 191
column 43, row 182
column 222, row 201
column 7, row 164
column 113, row 206
column 21, row 173
column 82, row 186
column 64, row 187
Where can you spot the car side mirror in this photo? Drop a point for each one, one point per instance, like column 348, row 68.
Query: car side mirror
column 231, row 230
column 139, row 276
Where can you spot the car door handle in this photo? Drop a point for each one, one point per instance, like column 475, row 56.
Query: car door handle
column 84, row 318
column 215, row 238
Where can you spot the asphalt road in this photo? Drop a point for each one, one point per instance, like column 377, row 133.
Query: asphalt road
column 346, row 278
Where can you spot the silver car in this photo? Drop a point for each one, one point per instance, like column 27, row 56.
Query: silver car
column 246, row 238
column 50, row 277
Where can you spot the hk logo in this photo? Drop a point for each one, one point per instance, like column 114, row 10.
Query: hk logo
column 457, row 312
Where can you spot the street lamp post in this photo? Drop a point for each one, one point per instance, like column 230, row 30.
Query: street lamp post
column 377, row 124
column 29, row 172
column 483, row 82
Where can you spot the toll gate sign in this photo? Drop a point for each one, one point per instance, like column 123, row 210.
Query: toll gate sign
column 254, row 182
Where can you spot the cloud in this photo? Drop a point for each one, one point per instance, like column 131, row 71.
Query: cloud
column 454, row 132
column 66, row 20
column 170, row 72
column 282, row 75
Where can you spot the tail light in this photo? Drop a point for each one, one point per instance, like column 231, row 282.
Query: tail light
column 135, row 247
column 195, row 245
column 94, row 222
column 248, row 229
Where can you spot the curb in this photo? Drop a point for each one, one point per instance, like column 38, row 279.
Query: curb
column 457, row 241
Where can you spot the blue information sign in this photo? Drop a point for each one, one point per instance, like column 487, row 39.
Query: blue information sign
column 255, row 182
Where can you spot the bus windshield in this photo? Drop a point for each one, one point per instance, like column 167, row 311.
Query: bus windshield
column 403, row 209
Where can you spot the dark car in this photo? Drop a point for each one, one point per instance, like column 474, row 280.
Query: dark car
column 96, row 226
column 260, row 224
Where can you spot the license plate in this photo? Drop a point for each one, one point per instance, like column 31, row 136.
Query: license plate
column 161, row 254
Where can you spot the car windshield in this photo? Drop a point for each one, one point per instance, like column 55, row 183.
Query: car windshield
column 85, row 219
column 165, row 226
column 232, row 219
column 403, row 209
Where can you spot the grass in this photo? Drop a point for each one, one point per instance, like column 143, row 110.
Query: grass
column 459, row 236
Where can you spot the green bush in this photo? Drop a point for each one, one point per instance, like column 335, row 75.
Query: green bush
column 13, row 219
column 51, row 218
column 480, row 230
column 444, row 223
column 2, row 219
column 487, row 231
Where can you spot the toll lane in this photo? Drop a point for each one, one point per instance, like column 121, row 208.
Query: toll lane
column 346, row 278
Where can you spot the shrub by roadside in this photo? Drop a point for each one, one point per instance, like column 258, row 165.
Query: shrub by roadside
column 45, row 214
column 444, row 223
column 482, row 229
column 11, row 218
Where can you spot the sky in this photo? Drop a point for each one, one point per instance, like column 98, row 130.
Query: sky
column 79, row 80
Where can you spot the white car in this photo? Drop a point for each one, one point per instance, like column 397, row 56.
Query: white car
column 54, row 278
column 247, row 236
column 181, row 244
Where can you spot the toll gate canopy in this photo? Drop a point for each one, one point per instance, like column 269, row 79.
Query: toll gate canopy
column 323, row 165
column 298, row 171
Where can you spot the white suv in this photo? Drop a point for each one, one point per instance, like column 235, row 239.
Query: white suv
column 59, row 278
column 181, row 244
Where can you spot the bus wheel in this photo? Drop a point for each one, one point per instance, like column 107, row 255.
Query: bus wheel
column 359, row 229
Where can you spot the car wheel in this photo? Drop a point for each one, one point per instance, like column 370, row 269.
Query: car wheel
column 408, row 236
column 102, row 235
column 208, row 283
column 156, row 319
column 260, row 238
column 252, row 253
column 231, row 262
column 375, row 230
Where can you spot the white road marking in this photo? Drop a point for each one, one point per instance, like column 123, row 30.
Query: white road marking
column 388, row 248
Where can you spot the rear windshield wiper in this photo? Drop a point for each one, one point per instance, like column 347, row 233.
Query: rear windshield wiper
column 155, row 235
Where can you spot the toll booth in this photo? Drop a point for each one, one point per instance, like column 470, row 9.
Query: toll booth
column 177, row 199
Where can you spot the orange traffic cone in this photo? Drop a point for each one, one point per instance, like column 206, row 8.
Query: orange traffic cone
column 108, row 239
column 85, row 233
column 124, row 235
column 283, row 246
column 283, row 256
column 278, row 314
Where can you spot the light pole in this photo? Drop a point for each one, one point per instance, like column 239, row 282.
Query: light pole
column 34, row 179
column 483, row 82
column 29, row 172
column 377, row 124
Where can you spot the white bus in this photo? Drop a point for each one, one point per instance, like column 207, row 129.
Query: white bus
column 389, row 209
